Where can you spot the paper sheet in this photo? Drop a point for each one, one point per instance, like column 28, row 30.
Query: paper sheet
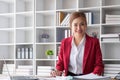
column 93, row 77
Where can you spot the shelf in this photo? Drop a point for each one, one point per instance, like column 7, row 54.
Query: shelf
column 117, row 42
column 110, row 2
column 46, row 43
column 24, row 36
column 49, row 32
column 107, row 29
column 45, row 59
column 90, row 9
column 24, row 20
column 7, row 51
column 6, row 37
column 45, row 27
column 111, row 24
column 7, row 21
column 24, row 59
column 36, row 24
column 110, row 51
column 88, row 3
column 41, row 49
column 47, row 19
column 45, row 5
column 111, row 59
column 24, row 5
column 61, row 4
column 6, row 6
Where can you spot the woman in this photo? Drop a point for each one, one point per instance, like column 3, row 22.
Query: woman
column 79, row 54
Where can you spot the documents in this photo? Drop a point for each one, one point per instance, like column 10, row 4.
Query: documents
column 91, row 76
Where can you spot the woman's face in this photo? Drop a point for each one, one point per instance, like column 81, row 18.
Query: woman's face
column 79, row 26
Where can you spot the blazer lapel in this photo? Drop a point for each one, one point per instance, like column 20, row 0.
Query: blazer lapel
column 86, row 51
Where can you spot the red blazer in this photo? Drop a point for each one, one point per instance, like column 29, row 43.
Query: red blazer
column 92, row 61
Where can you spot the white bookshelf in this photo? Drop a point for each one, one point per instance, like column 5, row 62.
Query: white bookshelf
column 22, row 22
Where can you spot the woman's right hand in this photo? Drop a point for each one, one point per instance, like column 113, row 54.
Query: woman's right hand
column 55, row 73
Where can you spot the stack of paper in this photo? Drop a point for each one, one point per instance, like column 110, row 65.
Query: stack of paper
column 4, row 77
column 112, row 18
column 44, row 70
column 92, row 76
column 8, row 67
column 110, row 37
column 111, row 70
column 24, row 70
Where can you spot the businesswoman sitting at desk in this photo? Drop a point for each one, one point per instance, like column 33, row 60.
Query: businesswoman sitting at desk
column 79, row 54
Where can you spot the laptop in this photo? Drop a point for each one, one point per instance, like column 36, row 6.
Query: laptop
column 19, row 77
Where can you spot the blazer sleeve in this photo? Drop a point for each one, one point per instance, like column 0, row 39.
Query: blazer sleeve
column 60, row 64
column 99, row 67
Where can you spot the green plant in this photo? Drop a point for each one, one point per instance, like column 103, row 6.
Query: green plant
column 49, row 52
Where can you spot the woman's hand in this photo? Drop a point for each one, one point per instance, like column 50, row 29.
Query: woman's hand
column 56, row 73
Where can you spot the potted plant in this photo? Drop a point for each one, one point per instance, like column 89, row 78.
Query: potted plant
column 49, row 53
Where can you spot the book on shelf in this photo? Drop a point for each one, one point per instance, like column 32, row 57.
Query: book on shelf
column 18, row 55
column 67, row 21
column 90, row 21
column 43, row 74
column 27, row 70
column 24, row 70
column 44, row 71
column 112, row 65
column 112, row 18
column 89, row 17
column 111, row 39
column 25, row 66
column 23, row 73
column 113, row 22
column 24, row 53
column 30, row 53
column 111, row 70
column 67, row 33
column 8, row 67
column 64, row 21
column 61, row 16
column 45, row 67
column 111, row 35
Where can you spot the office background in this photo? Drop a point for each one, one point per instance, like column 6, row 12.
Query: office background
column 28, row 28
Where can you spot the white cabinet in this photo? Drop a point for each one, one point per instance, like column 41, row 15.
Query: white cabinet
column 33, row 26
